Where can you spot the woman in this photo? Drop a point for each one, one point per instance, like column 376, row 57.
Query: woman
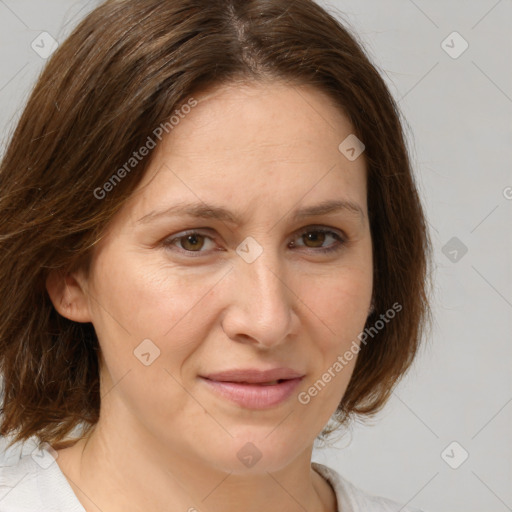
column 211, row 244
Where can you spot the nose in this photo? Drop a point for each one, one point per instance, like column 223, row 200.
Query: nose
column 261, row 302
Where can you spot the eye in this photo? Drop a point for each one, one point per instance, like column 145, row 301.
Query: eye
column 190, row 242
column 314, row 238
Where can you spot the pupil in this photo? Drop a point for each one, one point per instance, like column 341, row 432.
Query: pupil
column 316, row 237
column 192, row 242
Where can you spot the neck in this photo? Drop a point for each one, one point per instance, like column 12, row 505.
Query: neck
column 110, row 473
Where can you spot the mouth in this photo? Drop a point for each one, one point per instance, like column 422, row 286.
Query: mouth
column 271, row 383
column 254, row 389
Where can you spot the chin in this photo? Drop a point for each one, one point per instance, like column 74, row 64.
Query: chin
column 257, row 450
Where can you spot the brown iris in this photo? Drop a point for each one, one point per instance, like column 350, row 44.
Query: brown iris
column 317, row 238
column 192, row 242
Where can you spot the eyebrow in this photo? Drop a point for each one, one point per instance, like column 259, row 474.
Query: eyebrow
column 206, row 211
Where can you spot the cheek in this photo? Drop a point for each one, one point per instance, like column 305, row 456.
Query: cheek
column 341, row 304
column 340, row 299
column 132, row 290
column 150, row 300
column 175, row 307
column 134, row 302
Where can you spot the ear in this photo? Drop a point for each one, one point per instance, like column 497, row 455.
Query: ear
column 69, row 296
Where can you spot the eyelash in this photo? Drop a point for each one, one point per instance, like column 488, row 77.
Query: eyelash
column 340, row 241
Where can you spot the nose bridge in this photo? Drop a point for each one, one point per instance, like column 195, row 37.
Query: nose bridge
column 263, row 300
column 265, row 278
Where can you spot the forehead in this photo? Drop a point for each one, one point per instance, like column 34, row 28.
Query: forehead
column 263, row 117
column 251, row 146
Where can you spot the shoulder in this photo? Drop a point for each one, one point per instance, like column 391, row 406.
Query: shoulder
column 35, row 482
column 352, row 499
column 19, row 486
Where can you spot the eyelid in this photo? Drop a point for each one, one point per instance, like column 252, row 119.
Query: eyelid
column 320, row 227
column 206, row 232
column 342, row 239
column 170, row 241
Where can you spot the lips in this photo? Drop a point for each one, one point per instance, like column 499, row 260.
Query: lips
column 254, row 376
column 253, row 388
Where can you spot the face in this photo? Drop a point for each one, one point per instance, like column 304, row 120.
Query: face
column 223, row 294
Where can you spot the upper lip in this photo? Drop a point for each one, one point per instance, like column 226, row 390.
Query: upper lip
column 254, row 376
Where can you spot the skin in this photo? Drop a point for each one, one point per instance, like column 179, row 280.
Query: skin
column 164, row 440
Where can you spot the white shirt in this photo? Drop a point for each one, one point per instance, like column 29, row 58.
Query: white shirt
column 37, row 484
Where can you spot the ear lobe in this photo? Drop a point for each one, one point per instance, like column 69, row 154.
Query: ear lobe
column 68, row 296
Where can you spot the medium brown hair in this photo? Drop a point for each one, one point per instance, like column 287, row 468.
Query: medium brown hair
column 123, row 72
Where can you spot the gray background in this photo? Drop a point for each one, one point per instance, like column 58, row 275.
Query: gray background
column 459, row 115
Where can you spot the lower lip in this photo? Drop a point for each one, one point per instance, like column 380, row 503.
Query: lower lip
column 254, row 396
